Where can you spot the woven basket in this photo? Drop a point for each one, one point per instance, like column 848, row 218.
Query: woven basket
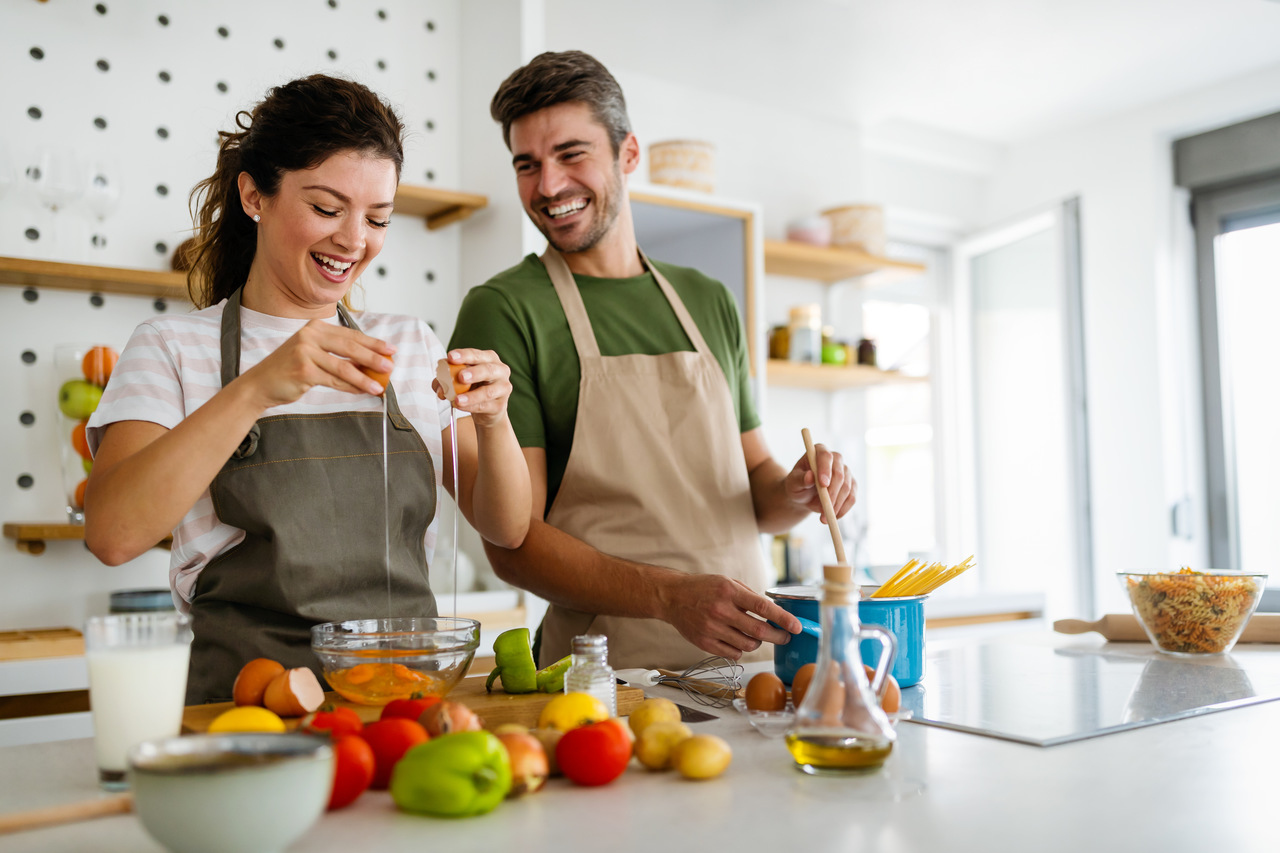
column 685, row 163
column 858, row 226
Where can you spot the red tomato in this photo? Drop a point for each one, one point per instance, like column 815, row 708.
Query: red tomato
column 353, row 767
column 594, row 754
column 409, row 709
column 391, row 739
column 335, row 723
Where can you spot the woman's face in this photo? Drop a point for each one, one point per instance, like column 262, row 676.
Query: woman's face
column 318, row 233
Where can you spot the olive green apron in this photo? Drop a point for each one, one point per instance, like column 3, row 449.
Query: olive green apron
column 656, row 475
column 308, row 492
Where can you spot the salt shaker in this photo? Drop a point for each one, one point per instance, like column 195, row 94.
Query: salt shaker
column 589, row 671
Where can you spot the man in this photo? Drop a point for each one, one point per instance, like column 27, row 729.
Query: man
column 650, row 476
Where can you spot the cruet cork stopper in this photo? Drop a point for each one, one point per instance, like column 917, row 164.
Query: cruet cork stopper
column 838, row 586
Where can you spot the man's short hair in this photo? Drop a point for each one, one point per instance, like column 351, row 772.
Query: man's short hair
column 557, row 78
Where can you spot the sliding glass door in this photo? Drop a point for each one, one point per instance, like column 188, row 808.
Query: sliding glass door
column 1023, row 442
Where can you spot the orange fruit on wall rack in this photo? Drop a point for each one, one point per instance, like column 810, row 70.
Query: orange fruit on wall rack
column 80, row 441
column 98, row 363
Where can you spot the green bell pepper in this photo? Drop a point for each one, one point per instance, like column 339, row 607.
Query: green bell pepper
column 551, row 679
column 513, row 659
column 454, row 775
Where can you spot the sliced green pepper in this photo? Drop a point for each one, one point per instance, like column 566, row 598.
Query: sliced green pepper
column 551, row 678
column 513, row 659
column 453, row 775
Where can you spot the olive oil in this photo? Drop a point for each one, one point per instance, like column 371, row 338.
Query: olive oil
column 840, row 752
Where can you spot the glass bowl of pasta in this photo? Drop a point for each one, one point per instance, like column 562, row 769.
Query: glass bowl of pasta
column 1190, row 612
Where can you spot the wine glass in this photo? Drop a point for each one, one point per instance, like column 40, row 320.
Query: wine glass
column 58, row 178
column 102, row 190
column 8, row 177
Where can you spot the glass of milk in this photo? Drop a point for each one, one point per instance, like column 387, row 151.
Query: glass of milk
column 137, row 684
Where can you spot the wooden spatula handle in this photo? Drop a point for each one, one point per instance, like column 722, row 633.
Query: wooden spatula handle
column 68, row 813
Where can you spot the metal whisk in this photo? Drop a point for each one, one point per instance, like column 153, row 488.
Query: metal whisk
column 713, row 681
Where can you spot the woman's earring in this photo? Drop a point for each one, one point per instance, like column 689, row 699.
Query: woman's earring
column 257, row 218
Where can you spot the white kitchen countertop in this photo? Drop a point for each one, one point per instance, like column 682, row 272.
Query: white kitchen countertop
column 1204, row 783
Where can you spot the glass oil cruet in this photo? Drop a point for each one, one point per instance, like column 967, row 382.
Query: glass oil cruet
column 840, row 727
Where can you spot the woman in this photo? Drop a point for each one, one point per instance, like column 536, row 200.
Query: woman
column 251, row 429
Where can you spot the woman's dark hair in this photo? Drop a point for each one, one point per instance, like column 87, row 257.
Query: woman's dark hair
column 557, row 78
column 297, row 126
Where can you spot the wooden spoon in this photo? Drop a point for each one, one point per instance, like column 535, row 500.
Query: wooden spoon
column 827, row 511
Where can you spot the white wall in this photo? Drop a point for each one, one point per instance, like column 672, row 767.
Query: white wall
column 1141, row 341
column 62, row 585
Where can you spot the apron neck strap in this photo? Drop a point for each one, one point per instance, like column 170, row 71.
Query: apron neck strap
column 230, row 345
column 575, row 311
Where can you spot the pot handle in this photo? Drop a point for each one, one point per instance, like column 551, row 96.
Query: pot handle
column 808, row 626
column 888, row 650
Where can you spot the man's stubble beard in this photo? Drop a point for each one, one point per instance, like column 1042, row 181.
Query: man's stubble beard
column 602, row 223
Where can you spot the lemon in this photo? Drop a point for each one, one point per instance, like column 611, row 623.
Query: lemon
column 652, row 711
column 570, row 710
column 701, row 757
column 247, row 719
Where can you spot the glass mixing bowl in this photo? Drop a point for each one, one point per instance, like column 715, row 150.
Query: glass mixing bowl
column 372, row 661
column 1193, row 613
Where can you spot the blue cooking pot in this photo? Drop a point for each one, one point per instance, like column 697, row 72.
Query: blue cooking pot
column 903, row 617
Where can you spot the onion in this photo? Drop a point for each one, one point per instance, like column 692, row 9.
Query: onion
column 445, row 717
column 529, row 766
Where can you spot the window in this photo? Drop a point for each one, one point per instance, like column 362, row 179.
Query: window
column 1238, row 248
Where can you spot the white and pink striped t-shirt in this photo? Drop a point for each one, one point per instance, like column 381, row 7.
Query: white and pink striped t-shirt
column 172, row 366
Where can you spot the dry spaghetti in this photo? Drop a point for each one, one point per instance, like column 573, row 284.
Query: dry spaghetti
column 1191, row 612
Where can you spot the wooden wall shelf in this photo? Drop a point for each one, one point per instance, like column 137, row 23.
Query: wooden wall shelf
column 833, row 377
column 830, row 264
column 438, row 207
column 32, row 536
column 24, row 272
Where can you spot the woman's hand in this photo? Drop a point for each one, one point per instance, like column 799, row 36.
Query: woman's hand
column 320, row 353
column 490, row 386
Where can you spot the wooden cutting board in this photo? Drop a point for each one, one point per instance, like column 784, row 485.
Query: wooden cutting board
column 1124, row 628
column 40, row 643
column 493, row 708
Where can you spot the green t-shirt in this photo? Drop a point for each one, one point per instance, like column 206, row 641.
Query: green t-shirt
column 518, row 315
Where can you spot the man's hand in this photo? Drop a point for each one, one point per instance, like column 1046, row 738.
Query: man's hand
column 715, row 613
column 832, row 473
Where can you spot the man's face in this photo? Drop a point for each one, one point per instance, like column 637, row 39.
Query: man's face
column 569, row 180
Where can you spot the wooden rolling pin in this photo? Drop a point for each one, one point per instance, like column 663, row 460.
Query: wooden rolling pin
column 69, row 813
column 1124, row 628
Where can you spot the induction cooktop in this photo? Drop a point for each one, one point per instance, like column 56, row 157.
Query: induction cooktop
column 1047, row 693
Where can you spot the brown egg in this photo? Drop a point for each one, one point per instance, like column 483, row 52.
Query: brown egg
column 800, row 683
column 377, row 375
column 251, row 683
column 766, row 692
column 891, row 701
column 294, row 692
column 831, row 699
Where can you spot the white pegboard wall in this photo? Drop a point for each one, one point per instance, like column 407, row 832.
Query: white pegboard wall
column 143, row 86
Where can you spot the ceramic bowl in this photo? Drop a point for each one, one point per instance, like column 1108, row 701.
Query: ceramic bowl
column 1193, row 613
column 213, row 793
column 372, row 661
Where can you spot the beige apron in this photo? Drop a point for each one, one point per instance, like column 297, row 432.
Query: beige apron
column 656, row 475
